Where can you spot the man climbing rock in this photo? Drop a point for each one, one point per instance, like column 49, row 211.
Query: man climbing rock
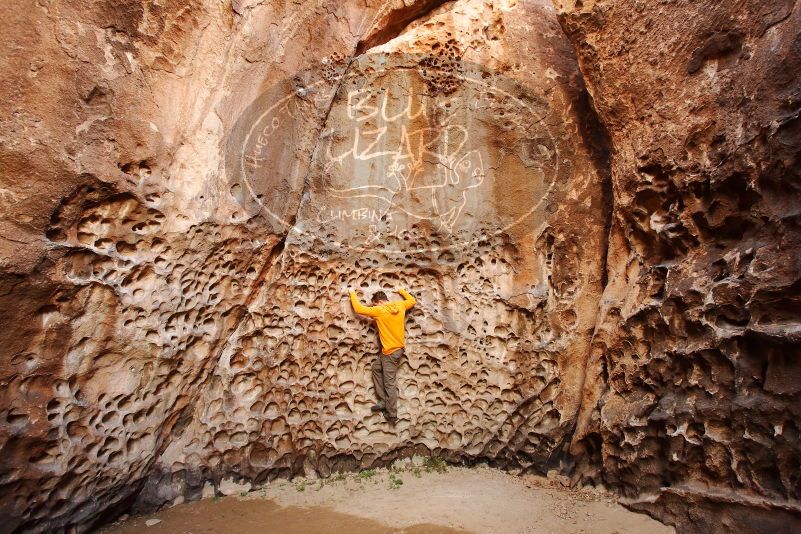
column 389, row 318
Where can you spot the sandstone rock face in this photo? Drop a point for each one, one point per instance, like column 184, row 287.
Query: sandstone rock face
column 448, row 163
column 190, row 187
column 691, row 406
column 126, row 260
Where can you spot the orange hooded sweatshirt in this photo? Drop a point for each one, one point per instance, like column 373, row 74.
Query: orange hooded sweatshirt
column 389, row 318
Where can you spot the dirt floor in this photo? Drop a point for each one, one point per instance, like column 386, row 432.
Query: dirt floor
column 413, row 498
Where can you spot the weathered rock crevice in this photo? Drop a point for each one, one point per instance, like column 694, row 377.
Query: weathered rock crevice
column 392, row 20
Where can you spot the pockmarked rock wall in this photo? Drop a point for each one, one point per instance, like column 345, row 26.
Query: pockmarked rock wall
column 691, row 406
column 189, row 187
column 451, row 162
column 126, row 261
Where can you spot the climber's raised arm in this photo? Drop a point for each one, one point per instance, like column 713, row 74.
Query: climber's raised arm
column 408, row 300
column 358, row 307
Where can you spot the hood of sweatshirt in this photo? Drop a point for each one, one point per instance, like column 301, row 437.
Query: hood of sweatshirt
column 393, row 308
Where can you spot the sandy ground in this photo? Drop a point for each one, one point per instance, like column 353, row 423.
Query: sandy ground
column 475, row 500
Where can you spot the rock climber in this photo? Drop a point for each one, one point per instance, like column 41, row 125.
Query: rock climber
column 389, row 318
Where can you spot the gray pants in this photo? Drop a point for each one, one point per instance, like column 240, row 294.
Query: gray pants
column 385, row 370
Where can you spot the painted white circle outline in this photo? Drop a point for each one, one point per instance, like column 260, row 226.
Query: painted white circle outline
column 338, row 244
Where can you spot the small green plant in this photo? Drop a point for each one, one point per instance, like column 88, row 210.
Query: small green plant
column 243, row 493
column 339, row 477
column 366, row 474
column 395, row 482
column 416, row 472
column 301, row 486
column 436, row 464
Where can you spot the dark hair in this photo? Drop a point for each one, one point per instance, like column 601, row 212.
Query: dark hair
column 378, row 296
